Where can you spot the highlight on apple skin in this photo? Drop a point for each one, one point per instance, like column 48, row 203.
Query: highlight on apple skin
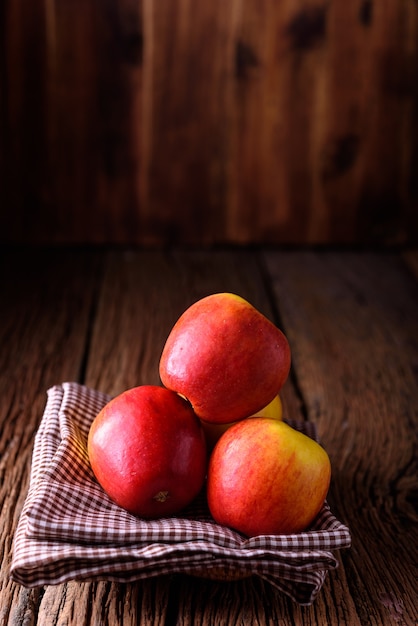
column 147, row 450
column 266, row 478
column 226, row 358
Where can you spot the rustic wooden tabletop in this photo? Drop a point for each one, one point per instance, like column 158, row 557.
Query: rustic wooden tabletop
column 100, row 317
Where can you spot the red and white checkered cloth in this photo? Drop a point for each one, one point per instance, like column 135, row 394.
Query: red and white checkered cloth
column 70, row 530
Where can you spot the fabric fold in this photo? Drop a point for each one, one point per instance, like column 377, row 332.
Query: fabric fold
column 70, row 530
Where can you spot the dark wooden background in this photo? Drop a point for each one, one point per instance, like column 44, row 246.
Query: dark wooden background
column 249, row 121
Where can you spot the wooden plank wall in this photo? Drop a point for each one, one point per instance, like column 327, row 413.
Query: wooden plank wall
column 250, row 121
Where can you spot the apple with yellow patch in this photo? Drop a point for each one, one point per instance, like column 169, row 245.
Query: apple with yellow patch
column 226, row 358
column 267, row 478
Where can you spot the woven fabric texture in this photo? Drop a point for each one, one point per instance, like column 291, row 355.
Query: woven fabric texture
column 70, row 530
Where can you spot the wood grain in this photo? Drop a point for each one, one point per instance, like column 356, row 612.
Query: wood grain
column 182, row 123
column 44, row 324
column 160, row 287
column 351, row 320
column 102, row 318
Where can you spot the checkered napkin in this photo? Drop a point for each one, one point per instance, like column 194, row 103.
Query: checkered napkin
column 70, row 530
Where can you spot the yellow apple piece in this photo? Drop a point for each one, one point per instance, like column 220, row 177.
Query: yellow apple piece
column 273, row 409
column 213, row 431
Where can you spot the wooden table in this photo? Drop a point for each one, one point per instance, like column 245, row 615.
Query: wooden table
column 101, row 317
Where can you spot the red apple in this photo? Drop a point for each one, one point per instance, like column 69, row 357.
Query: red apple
column 265, row 478
column 226, row 358
column 147, row 450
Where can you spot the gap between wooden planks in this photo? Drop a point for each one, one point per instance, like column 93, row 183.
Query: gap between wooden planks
column 102, row 318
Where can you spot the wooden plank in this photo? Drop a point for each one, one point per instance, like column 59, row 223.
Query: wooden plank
column 351, row 321
column 187, row 62
column 70, row 150
column 44, row 325
column 276, row 91
column 106, row 603
column 23, row 136
column 141, row 296
column 94, row 119
column 389, row 82
column 205, row 123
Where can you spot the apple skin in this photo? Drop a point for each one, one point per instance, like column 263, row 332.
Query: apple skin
column 274, row 409
column 266, row 478
column 147, row 450
column 225, row 357
column 214, row 431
